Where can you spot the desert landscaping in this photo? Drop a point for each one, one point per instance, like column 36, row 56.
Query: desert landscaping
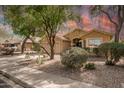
column 62, row 47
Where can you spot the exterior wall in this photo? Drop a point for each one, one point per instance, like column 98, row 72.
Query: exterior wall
column 60, row 45
column 103, row 37
column 28, row 47
column 46, row 46
column 18, row 45
column 66, row 45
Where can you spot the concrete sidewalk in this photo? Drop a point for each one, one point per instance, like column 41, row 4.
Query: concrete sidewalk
column 38, row 79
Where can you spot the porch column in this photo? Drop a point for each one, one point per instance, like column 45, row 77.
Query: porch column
column 71, row 43
column 83, row 42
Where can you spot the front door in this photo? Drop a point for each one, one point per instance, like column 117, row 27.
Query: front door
column 77, row 42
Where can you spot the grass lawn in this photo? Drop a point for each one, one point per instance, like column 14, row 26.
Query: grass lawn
column 102, row 76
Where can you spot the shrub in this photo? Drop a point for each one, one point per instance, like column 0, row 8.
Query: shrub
column 104, row 47
column 109, row 62
column 39, row 60
column 93, row 51
column 96, row 52
column 121, row 50
column 36, row 47
column 87, row 49
column 74, row 57
column 112, row 51
column 27, row 56
column 90, row 66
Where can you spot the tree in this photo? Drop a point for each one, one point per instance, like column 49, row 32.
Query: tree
column 3, row 34
column 113, row 51
column 50, row 18
column 110, row 12
column 21, row 22
column 44, row 20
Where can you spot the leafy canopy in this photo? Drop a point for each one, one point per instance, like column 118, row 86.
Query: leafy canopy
column 21, row 22
column 30, row 20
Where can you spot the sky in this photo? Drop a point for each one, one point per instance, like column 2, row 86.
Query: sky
column 87, row 22
column 6, row 28
column 1, row 15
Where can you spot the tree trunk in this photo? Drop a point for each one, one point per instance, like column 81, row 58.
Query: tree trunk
column 23, row 44
column 116, row 40
column 52, row 53
column 52, row 43
column 117, row 35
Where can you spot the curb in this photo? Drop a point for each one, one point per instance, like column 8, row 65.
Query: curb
column 16, row 80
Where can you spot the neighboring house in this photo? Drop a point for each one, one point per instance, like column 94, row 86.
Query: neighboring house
column 80, row 38
column 11, row 43
column 28, row 45
column 8, row 38
column 17, row 44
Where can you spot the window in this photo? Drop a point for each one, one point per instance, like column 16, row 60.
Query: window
column 94, row 41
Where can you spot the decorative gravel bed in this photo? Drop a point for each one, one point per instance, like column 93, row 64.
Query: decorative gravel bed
column 102, row 76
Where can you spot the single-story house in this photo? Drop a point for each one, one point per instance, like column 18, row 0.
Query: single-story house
column 17, row 44
column 28, row 45
column 80, row 38
column 11, row 43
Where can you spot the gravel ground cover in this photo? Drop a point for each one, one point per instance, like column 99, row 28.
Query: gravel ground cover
column 103, row 76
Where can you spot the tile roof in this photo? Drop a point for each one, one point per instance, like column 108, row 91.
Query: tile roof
column 62, row 34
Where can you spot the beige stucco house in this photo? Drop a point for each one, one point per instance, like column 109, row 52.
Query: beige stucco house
column 78, row 37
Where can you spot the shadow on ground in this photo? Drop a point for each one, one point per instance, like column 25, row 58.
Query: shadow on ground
column 103, row 76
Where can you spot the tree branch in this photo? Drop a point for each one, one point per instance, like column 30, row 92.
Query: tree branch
column 107, row 14
column 40, row 46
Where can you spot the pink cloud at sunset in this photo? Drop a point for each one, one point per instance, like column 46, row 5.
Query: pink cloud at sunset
column 105, row 22
column 72, row 24
column 88, row 24
column 86, row 20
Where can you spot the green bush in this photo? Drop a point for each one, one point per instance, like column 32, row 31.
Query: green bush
column 87, row 49
column 90, row 66
column 96, row 52
column 36, row 47
column 109, row 62
column 112, row 51
column 121, row 50
column 74, row 57
column 93, row 51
